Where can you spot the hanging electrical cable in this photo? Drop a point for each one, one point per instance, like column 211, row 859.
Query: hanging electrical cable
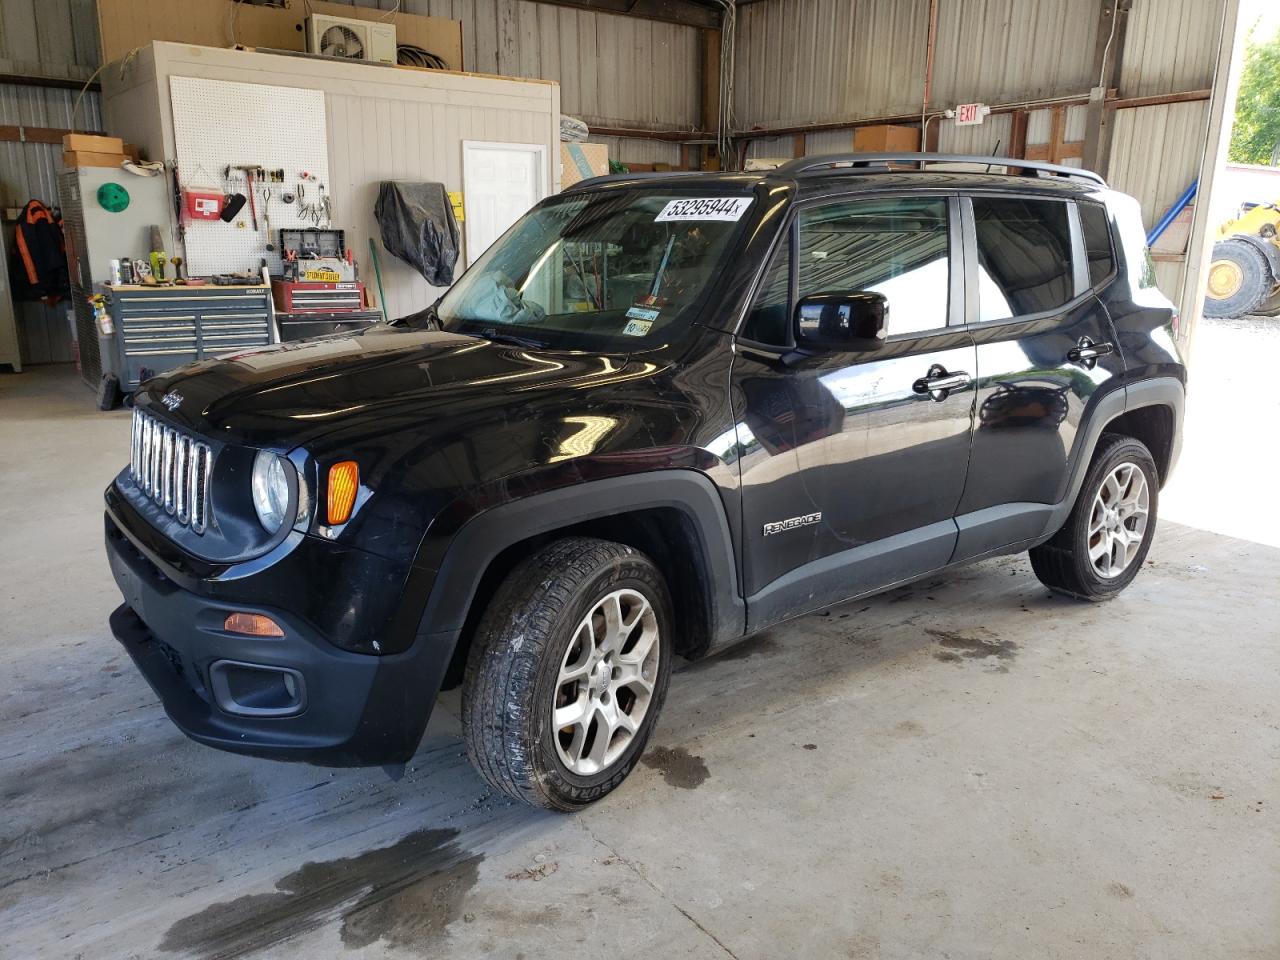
column 724, row 114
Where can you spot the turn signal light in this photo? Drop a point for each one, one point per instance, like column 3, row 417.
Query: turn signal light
column 252, row 625
column 344, row 481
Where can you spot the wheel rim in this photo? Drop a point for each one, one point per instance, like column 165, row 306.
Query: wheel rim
column 1225, row 279
column 1118, row 520
column 606, row 682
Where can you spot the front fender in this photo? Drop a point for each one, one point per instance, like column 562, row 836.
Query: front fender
column 456, row 574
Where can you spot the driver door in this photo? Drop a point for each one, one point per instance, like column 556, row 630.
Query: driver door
column 853, row 463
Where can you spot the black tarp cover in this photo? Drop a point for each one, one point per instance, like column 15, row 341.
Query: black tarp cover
column 418, row 226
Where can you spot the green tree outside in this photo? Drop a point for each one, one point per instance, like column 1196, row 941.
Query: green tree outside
column 1255, row 138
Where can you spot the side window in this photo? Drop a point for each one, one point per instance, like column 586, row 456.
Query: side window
column 1097, row 241
column 770, row 317
column 1024, row 256
column 898, row 247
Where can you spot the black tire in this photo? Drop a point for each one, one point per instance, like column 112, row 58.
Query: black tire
column 1062, row 564
column 512, row 669
column 1254, row 280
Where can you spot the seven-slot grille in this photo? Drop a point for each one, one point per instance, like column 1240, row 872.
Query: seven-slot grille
column 173, row 469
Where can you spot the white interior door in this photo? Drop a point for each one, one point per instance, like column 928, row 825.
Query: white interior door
column 500, row 181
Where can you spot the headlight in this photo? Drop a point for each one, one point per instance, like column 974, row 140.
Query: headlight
column 270, row 489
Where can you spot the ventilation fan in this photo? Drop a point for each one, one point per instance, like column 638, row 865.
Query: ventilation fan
column 340, row 41
column 351, row 39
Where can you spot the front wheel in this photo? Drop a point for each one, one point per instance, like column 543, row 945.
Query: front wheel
column 567, row 673
column 1101, row 547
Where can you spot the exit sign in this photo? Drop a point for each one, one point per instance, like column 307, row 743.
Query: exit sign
column 970, row 114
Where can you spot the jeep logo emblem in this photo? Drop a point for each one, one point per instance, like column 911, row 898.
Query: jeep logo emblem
column 172, row 400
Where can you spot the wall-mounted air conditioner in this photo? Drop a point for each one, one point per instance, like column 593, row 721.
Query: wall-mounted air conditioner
column 351, row 39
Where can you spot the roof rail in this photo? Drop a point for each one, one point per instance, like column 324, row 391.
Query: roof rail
column 803, row 165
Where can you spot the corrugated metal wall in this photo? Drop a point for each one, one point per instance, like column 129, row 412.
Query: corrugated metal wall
column 825, row 61
column 28, row 171
column 49, row 38
column 829, row 60
column 52, row 38
column 613, row 71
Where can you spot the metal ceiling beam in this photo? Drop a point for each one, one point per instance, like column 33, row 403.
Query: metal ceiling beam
column 689, row 13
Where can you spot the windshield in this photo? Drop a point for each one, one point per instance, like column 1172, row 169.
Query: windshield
column 621, row 271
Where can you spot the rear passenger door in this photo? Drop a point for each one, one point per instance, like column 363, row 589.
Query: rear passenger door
column 1046, row 350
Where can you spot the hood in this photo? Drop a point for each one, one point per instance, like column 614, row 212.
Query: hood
column 290, row 394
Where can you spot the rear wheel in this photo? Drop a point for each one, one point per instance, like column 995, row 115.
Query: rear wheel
column 1102, row 546
column 1239, row 281
column 567, row 673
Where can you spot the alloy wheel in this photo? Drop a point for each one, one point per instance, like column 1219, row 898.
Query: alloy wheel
column 1118, row 520
column 606, row 682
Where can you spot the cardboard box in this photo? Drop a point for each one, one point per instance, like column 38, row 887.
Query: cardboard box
column 886, row 138
column 582, row 161
column 85, row 158
column 91, row 143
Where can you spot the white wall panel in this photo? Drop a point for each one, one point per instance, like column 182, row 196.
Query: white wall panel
column 382, row 124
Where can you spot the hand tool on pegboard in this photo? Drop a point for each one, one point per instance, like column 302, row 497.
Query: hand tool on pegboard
column 250, row 171
column 266, row 217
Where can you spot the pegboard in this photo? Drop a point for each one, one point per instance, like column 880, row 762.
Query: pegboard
column 221, row 123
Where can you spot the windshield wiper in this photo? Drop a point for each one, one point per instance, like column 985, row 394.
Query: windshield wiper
column 497, row 336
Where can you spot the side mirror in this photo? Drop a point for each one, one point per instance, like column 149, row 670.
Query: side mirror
column 856, row 321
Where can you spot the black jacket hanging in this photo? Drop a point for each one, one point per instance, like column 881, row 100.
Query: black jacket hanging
column 38, row 261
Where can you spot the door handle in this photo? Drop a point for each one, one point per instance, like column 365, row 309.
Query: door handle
column 938, row 383
column 1086, row 352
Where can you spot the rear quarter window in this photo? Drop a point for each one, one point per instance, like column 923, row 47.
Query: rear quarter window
column 1096, row 227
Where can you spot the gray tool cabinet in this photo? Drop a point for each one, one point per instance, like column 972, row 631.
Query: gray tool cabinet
column 159, row 328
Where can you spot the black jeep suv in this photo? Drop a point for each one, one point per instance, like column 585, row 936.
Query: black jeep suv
column 658, row 415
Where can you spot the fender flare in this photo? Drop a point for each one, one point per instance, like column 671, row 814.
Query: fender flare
column 1156, row 392
column 482, row 538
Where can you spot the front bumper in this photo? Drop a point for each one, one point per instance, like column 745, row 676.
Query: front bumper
column 343, row 708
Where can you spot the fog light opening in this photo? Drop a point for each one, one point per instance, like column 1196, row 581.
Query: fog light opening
column 256, row 690
column 252, row 625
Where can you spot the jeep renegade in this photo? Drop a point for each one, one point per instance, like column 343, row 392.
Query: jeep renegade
column 658, row 415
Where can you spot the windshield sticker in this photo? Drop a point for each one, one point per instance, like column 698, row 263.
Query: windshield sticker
column 642, row 313
column 704, row 208
column 637, row 328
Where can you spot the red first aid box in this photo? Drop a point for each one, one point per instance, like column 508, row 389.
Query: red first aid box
column 202, row 204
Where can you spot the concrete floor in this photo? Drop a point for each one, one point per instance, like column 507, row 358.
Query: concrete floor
column 966, row 768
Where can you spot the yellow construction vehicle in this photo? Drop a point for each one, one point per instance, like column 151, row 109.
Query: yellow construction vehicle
column 1244, row 276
